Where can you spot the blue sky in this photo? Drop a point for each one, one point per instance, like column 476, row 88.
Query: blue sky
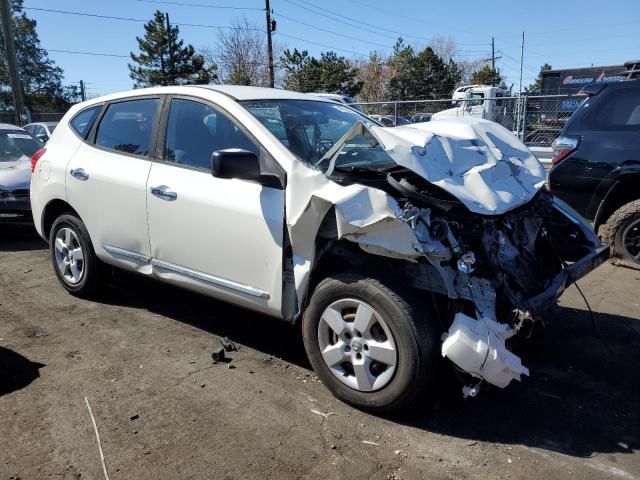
column 562, row 33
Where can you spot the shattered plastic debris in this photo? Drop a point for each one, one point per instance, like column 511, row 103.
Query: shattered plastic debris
column 324, row 415
column 228, row 345
column 218, row 355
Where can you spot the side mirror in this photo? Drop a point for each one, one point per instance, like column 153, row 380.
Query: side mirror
column 235, row 163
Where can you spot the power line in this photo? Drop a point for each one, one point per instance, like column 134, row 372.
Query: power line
column 94, row 54
column 358, row 24
column 378, row 27
column 128, row 19
column 413, row 19
column 584, row 27
column 331, row 31
column 635, row 34
column 201, row 5
column 322, row 44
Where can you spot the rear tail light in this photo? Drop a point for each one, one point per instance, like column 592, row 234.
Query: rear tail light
column 36, row 156
column 563, row 146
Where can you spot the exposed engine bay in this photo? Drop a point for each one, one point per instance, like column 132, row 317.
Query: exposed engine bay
column 500, row 259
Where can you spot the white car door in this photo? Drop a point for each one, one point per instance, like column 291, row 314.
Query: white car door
column 222, row 237
column 107, row 177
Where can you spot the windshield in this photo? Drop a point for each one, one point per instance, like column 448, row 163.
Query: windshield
column 311, row 129
column 16, row 145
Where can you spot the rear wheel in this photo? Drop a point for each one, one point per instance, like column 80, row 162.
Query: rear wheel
column 370, row 342
column 622, row 233
column 74, row 261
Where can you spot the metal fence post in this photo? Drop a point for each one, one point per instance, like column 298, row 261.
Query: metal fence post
column 395, row 113
column 524, row 119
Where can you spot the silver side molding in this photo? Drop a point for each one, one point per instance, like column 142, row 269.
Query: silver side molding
column 210, row 279
column 121, row 252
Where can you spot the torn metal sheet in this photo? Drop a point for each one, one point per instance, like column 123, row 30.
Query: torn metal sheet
column 479, row 162
column 363, row 214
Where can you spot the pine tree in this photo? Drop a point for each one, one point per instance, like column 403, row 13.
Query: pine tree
column 330, row 73
column 163, row 58
column 486, row 76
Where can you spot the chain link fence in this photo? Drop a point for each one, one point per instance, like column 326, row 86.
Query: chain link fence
column 35, row 117
column 535, row 120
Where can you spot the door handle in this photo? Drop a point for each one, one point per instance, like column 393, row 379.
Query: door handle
column 79, row 173
column 163, row 191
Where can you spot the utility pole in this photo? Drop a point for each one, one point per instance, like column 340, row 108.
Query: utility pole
column 521, row 63
column 269, row 43
column 83, row 94
column 493, row 54
column 10, row 49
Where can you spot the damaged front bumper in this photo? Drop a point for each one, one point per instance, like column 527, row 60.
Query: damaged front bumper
column 565, row 278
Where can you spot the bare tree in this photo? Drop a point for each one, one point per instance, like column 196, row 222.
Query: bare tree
column 375, row 75
column 241, row 54
column 447, row 49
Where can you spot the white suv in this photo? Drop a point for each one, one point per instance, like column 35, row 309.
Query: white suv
column 391, row 246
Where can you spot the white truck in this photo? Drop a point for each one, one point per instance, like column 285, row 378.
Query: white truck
column 480, row 101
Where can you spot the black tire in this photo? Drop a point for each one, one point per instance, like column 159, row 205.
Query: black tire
column 415, row 333
column 612, row 232
column 93, row 269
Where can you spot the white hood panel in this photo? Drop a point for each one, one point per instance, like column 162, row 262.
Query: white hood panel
column 479, row 162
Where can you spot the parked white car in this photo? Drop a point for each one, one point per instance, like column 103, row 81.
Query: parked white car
column 336, row 97
column 16, row 149
column 392, row 246
column 42, row 130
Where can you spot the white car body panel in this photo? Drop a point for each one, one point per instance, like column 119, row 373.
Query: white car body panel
column 229, row 232
column 112, row 203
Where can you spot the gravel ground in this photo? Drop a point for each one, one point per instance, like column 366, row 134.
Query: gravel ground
column 142, row 358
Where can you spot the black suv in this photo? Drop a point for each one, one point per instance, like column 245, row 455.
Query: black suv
column 596, row 164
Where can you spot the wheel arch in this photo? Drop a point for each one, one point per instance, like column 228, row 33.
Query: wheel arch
column 623, row 191
column 53, row 210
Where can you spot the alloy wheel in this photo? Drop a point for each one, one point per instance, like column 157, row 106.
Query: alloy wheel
column 69, row 255
column 357, row 345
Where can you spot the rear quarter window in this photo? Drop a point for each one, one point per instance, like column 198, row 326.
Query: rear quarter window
column 82, row 122
column 617, row 110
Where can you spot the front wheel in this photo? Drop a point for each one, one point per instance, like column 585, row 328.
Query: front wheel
column 371, row 343
column 74, row 261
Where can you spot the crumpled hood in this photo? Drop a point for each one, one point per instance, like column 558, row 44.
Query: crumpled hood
column 15, row 175
column 478, row 161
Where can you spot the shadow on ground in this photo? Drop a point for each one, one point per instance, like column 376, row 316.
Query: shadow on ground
column 16, row 371
column 16, row 239
column 581, row 398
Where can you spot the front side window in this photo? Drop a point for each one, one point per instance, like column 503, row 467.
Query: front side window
column 196, row 130
column 127, row 126
column 308, row 128
column 83, row 121
column 316, row 133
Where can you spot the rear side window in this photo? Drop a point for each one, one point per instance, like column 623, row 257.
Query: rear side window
column 127, row 126
column 620, row 110
column 82, row 122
